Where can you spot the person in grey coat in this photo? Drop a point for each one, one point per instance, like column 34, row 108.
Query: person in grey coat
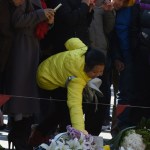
column 100, row 28
column 100, row 31
column 24, row 59
column 6, row 38
column 102, row 24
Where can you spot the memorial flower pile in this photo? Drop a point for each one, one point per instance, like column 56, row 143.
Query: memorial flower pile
column 72, row 140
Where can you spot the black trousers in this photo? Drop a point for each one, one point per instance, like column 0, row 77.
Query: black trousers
column 59, row 115
column 54, row 112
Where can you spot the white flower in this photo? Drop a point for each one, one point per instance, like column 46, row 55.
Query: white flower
column 72, row 140
column 82, row 138
column 58, row 145
column 133, row 141
column 121, row 148
column 74, row 144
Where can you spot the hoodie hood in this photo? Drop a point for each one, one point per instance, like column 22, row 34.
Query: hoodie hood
column 75, row 43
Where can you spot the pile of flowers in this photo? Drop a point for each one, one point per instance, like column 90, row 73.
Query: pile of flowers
column 133, row 138
column 72, row 140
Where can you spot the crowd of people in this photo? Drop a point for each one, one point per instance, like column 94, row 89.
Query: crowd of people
column 48, row 58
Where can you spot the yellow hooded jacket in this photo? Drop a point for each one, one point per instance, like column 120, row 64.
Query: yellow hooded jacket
column 55, row 70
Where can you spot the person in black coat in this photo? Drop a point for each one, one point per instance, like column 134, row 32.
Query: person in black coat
column 141, row 49
column 5, row 38
column 72, row 19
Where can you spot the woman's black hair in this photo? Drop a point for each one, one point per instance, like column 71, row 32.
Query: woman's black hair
column 93, row 57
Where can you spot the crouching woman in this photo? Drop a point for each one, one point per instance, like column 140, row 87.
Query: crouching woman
column 72, row 69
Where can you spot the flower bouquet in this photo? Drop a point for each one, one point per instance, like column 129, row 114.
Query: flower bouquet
column 73, row 140
column 133, row 138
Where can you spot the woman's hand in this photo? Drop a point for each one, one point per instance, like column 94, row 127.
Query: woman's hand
column 85, row 132
column 90, row 3
column 49, row 13
column 107, row 6
column 51, row 17
column 119, row 65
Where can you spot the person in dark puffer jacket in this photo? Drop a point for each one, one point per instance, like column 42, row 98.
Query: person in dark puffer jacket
column 122, row 58
column 141, row 47
column 139, row 40
column 72, row 19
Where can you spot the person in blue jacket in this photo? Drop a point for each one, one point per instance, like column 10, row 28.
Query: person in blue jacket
column 122, row 57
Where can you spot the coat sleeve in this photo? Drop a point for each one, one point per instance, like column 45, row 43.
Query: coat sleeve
column 74, row 102
column 123, row 21
column 22, row 19
column 109, row 21
column 5, row 34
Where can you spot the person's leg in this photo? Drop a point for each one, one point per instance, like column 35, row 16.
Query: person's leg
column 2, row 125
column 1, row 82
column 141, row 88
column 93, row 121
column 47, row 127
column 125, row 93
column 105, row 88
column 45, row 130
column 126, row 81
column 115, row 80
column 19, row 133
column 64, row 116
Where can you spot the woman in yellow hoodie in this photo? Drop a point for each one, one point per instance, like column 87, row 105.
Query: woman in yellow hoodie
column 72, row 69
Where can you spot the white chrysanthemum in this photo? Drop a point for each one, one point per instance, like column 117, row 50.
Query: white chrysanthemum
column 122, row 148
column 74, row 144
column 133, row 141
column 72, row 140
column 58, row 145
column 82, row 138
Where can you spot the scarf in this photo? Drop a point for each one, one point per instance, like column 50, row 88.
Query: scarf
column 42, row 27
